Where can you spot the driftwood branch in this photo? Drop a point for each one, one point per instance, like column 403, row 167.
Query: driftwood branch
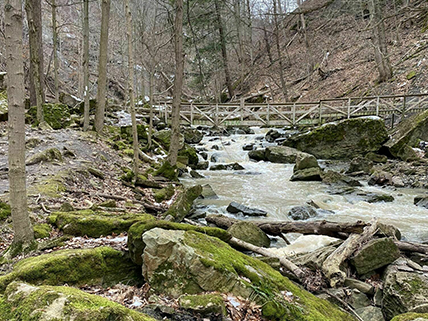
column 298, row 272
column 412, row 247
column 331, row 266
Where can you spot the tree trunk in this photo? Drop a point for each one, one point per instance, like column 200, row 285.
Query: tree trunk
column 309, row 58
column 223, row 49
column 102, row 67
column 151, row 97
column 55, row 49
column 86, row 64
column 23, row 232
column 279, row 53
column 379, row 41
column 178, row 83
column 131, row 86
column 34, row 18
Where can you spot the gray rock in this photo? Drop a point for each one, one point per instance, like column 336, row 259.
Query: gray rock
column 302, row 212
column 380, row 178
column 250, row 233
column 257, row 155
column 248, row 147
column 305, row 161
column 227, row 167
column 335, row 178
column 281, row 154
column 375, row 254
column 309, row 174
column 359, row 285
column 360, row 164
column 192, row 136
column 203, row 165
column 235, row 208
column 370, row 313
column 208, row 192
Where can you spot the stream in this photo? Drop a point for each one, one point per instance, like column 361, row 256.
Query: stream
column 266, row 186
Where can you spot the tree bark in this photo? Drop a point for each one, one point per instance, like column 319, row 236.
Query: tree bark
column 279, row 53
column 277, row 228
column 222, row 35
column 331, row 266
column 102, row 67
column 178, row 83
column 86, row 64
column 34, row 17
column 23, row 232
column 309, row 58
column 55, row 49
column 131, row 86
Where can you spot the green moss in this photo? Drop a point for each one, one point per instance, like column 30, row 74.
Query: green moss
column 191, row 155
column 51, row 187
column 410, row 316
column 168, row 171
column 183, row 204
column 164, row 193
column 128, row 152
column 102, row 265
column 135, row 232
column 5, row 310
column 119, row 145
column 128, row 176
column 4, row 210
column 41, row 230
column 411, row 75
column 204, row 303
column 33, row 304
column 266, row 283
column 95, row 224
column 126, row 132
column 56, row 115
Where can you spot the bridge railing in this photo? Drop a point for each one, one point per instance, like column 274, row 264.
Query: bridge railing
column 298, row 113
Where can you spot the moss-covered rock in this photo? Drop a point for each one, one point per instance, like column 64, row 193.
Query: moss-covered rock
column 99, row 266
column 136, row 245
column 168, row 171
column 164, row 194
column 250, row 233
column 281, row 154
column 179, row 262
column 203, row 304
column 24, row 302
column 52, row 186
column 308, row 174
column 95, row 224
column 56, row 115
column 41, row 230
column 48, row 155
column 183, row 204
column 192, row 136
column 406, row 135
column 342, row 140
column 4, row 210
column 332, row 177
column 257, row 155
column 411, row 317
column 191, row 155
column 163, row 137
column 126, row 132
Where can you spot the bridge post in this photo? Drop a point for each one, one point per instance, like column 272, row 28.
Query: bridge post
column 242, row 108
column 166, row 113
column 294, row 114
column 404, row 106
column 320, row 116
column 191, row 113
column 377, row 106
column 268, row 114
column 216, row 115
column 349, row 108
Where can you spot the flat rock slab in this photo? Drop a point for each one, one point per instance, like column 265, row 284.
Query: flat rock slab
column 235, row 208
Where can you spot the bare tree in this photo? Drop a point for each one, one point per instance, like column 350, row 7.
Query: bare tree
column 86, row 64
column 33, row 9
column 23, row 232
column 55, row 48
column 178, row 83
column 102, row 67
column 278, row 51
column 131, row 85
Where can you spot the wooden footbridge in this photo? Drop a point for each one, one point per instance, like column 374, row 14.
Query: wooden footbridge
column 391, row 108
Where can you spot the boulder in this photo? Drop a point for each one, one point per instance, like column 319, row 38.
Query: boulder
column 375, row 254
column 411, row 317
column 202, row 165
column 136, row 245
column 272, row 135
column 304, row 161
column 56, row 115
column 250, row 233
column 163, row 137
column 309, row 174
column 227, row 167
column 407, row 134
column 404, row 290
column 377, row 158
column 208, row 192
column 27, row 302
column 370, row 313
column 360, row 286
column 235, row 208
column 281, row 154
column 257, row 155
column 95, row 224
column 248, row 147
column 99, row 266
column 205, row 305
column 183, row 204
column 336, row 178
column 342, row 140
column 190, row 154
column 192, row 136
column 360, row 164
column 187, row 262
column 48, row 155
column 421, row 201
column 69, row 100
column 299, row 213
column 380, row 178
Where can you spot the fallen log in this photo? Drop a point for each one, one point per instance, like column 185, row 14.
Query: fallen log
column 277, row 228
column 293, row 268
column 331, row 266
column 412, row 247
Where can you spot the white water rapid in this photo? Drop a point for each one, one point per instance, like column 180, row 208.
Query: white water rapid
column 266, row 186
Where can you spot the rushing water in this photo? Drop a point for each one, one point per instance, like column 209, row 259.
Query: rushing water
column 266, row 186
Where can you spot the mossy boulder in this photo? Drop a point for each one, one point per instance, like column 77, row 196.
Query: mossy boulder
column 56, row 115
column 142, row 132
column 41, row 230
column 375, row 254
column 48, row 155
column 406, row 135
column 136, row 245
column 204, row 304
column 163, row 137
column 281, row 154
column 342, row 140
column 52, row 186
column 411, row 317
column 403, row 291
column 100, row 266
column 69, row 100
column 25, row 302
column 257, row 155
column 188, row 262
column 95, row 224
column 4, row 210
column 250, row 233
column 183, row 204
column 192, row 136
column 190, row 154
column 308, row 174
column 336, row 178
column 164, row 194
column 360, row 164
column 168, row 171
